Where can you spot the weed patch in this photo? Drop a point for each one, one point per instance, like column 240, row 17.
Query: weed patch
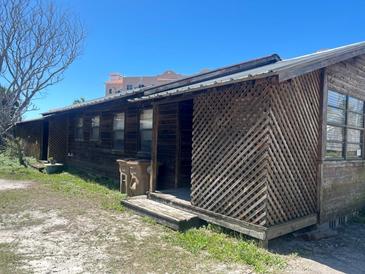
column 69, row 182
column 226, row 248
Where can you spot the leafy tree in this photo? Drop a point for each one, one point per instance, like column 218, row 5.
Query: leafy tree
column 79, row 101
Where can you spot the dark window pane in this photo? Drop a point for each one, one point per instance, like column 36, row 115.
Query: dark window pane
column 353, row 136
column 119, row 144
column 146, row 146
column 94, row 133
column 354, row 119
column 336, row 99
column 119, row 135
column 354, row 151
column 335, row 133
column 334, row 150
column 118, row 141
column 79, row 133
column 335, row 115
column 356, row 105
column 146, row 140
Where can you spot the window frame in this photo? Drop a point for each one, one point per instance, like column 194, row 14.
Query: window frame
column 119, row 130
column 78, row 127
column 346, row 127
column 140, row 130
column 91, row 138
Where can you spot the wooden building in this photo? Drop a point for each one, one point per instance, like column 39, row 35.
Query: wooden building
column 264, row 147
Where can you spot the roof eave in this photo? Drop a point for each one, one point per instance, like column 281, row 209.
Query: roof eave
column 293, row 71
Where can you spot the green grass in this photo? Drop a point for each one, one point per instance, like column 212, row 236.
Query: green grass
column 228, row 248
column 70, row 182
column 9, row 261
column 211, row 240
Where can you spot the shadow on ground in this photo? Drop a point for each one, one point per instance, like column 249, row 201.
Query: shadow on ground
column 104, row 181
column 344, row 252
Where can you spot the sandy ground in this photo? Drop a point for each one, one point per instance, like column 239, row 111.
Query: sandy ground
column 343, row 253
column 6, row 184
column 49, row 233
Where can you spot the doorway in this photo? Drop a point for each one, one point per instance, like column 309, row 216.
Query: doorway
column 45, row 134
column 174, row 146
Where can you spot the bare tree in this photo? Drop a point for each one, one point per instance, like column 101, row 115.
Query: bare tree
column 38, row 42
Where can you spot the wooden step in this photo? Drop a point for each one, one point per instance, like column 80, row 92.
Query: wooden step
column 163, row 214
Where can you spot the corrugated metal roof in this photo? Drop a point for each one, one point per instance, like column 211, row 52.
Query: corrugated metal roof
column 263, row 67
column 182, row 82
column 284, row 69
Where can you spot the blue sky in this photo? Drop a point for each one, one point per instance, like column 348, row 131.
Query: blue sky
column 142, row 37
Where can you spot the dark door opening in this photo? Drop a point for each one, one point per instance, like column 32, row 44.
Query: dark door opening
column 45, row 133
column 174, row 145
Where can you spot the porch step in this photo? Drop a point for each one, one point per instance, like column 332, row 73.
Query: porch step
column 169, row 216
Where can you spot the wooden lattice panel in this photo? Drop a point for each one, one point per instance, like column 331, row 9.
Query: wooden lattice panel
column 230, row 151
column 255, row 148
column 57, row 139
column 293, row 150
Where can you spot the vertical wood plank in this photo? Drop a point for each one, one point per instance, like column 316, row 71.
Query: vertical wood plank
column 322, row 136
column 154, row 164
column 178, row 146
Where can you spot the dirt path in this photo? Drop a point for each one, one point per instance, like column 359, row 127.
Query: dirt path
column 6, row 184
column 343, row 253
column 45, row 232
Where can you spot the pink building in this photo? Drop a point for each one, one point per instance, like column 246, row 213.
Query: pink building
column 119, row 83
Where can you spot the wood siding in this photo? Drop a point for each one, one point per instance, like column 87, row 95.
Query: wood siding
column 255, row 150
column 342, row 189
column 31, row 135
column 99, row 157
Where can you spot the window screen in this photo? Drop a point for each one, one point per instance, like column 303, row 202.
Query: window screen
column 95, row 128
column 145, row 128
column 345, row 126
column 118, row 131
column 79, row 129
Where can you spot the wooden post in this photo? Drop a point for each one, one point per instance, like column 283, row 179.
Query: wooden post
column 322, row 139
column 154, row 163
column 178, row 146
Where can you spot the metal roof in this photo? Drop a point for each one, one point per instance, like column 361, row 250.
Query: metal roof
column 259, row 68
column 284, row 70
column 179, row 83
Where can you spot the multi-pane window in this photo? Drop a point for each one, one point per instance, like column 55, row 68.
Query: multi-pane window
column 118, row 131
column 79, row 129
column 145, row 129
column 345, row 126
column 95, row 128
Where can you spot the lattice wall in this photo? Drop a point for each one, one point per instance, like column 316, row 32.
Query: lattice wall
column 57, row 138
column 293, row 150
column 230, row 151
column 255, row 150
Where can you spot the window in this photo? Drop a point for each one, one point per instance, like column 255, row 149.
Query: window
column 345, row 127
column 79, row 129
column 145, row 130
column 118, row 131
column 110, row 91
column 129, row 87
column 140, row 85
column 95, row 128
